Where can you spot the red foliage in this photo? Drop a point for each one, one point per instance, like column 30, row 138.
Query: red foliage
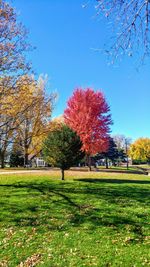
column 87, row 113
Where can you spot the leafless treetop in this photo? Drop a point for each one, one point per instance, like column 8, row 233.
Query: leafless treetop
column 130, row 20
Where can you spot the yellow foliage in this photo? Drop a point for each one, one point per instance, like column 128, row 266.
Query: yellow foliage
column 140, row 149
column 33, row 124
column 25, row 112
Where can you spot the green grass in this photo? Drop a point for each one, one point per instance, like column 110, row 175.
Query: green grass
column 91, row 219
column 146, row 166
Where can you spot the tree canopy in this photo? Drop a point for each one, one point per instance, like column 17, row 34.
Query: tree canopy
column 26, row 116
column 13, row 44
column 87, row 113
column 62, row 148
column 34, row 123
column 140, row 149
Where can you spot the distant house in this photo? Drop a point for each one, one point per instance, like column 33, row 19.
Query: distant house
column 37, row 161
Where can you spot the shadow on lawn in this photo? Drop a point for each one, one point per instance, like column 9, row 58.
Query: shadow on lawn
column 111, row 170
column 116, row 181
column 57, row 206
column 142, row 172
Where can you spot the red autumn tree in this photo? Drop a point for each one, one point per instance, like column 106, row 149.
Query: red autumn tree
column 87, row 113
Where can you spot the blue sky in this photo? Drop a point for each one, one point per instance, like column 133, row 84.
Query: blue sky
column 65, row 34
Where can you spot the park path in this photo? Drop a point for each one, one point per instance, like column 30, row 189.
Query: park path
column 19, row 172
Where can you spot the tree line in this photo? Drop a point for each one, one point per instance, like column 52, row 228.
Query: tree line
column 82, row 135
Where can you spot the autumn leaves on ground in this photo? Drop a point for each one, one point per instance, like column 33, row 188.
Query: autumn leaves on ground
column 91, row 219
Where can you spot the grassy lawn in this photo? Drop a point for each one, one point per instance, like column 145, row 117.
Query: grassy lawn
column 91, row 219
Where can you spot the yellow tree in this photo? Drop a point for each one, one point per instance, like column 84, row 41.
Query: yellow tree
column 140, row 149
column 8, row 115
column 6, row 135
column 13, row 47
column 33, row 121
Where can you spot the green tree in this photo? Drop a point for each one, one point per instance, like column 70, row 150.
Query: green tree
column 62, row 148
column 16, row 159
column 111, row 154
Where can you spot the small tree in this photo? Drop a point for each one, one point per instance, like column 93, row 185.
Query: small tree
column 62, row 148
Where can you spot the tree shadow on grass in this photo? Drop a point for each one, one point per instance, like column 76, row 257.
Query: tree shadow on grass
column 57, row 206
column 112, row 181
column 112, row 170
column 140, row 172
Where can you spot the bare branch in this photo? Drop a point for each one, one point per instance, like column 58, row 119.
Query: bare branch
column 130, row 26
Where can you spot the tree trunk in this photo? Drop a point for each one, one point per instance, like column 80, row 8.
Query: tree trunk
column 26, row 157
column 2, row 160
column 89, row 162
column 106, row 161
column 126, row 144
column 62, row 175
column 127, row 163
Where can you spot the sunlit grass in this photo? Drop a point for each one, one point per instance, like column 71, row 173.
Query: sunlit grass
column 90, row 219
